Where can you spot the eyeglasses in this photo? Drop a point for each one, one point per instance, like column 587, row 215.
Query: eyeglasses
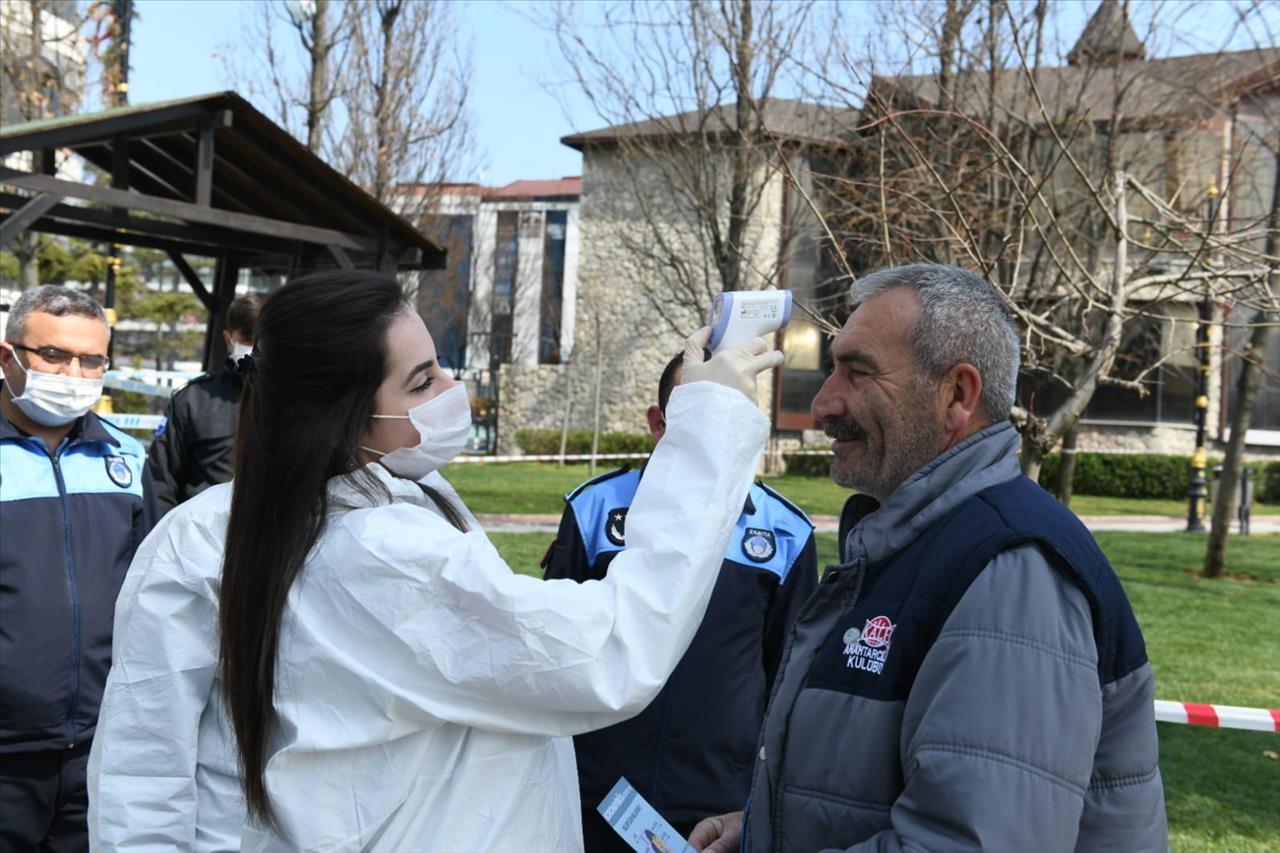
column 59, row 357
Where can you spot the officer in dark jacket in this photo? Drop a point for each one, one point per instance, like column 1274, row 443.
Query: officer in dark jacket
column 689, row 753
column 192, row 451
column 75, row 503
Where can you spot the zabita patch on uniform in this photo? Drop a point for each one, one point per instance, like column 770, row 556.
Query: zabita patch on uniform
column 759, row 545
column 615, row 525
column 118, row 471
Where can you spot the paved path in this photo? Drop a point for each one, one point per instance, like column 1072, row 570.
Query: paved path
column 828, row 523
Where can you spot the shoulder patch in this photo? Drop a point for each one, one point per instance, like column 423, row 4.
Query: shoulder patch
column 118, row 471
column 596, row 481
column 788, row 504
column 759, row 545
column 615, row 525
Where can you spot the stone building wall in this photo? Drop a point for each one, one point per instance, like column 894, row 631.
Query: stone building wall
column 615, row 315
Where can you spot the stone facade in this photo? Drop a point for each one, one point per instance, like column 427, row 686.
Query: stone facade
column 621, row 318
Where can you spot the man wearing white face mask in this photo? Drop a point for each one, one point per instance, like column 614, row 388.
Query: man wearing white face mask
column 75, row 503
column 192, row 451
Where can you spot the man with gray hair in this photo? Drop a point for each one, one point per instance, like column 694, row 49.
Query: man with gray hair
column 75, row 502
column 970, row 676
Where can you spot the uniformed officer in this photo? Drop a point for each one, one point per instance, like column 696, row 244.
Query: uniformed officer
column 193, row 450
column 689, row 753
column 75, row 503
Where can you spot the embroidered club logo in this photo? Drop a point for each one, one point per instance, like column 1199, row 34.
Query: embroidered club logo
column 119, row 472
column 615, row 528
column 759, row 545
column 868, row 649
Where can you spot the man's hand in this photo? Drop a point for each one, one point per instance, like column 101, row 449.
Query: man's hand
column 720, row 834
column 735, row 367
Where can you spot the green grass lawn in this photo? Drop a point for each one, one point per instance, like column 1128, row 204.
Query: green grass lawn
column 1209, row 641
column 539, row 488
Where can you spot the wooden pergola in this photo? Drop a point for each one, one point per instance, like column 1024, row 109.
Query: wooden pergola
column 206, row 176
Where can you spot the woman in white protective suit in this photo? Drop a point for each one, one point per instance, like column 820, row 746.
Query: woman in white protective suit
column 379, row 675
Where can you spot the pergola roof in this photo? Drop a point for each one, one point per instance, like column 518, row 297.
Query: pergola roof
column 207, row 175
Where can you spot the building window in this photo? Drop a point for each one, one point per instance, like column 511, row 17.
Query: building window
column 1165, row 336
column 505, row 264
column 553, row 252
column 443, row 294
column 1266, row 408
column 809, row 275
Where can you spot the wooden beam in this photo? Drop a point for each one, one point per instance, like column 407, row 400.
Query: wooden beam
column 120, row 163
column 103, row 129
column 126, row 225
column 21, row 219
column 48, row 161
column 225, row 274
column 193, row 278
column 190, row 212
column 343, row 259
column 112, row 235
column 204, row 167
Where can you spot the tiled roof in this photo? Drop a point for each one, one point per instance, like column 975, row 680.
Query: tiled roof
column 785, row 119
column 559, row 188
column 1153, row 88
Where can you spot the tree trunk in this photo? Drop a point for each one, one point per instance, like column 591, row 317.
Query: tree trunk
column 568, row 412
column 730, row 260
column 1032, row 459
column 595, row 418
column 1224, row 497
column 1067, row 470
column 317, row 97
column 27, row 246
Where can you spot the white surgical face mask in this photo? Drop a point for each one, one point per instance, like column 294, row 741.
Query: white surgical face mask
column 239, row 351
column 443, row 424
column 54, row 400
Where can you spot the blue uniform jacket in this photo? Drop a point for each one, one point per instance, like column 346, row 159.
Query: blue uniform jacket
column 69, row 525
column 690, row 752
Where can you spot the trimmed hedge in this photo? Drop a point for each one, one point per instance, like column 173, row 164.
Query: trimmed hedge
column 1121, row 475
column 537, row 441
column 1148, row 475
column 805, row 465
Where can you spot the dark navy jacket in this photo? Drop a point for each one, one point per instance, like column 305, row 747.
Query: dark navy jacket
column 69, row 525
column 690, row 752
column 193, row 450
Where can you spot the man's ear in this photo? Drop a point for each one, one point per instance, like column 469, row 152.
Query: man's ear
column 657, row 423
column 962, row 400
column 226, row 339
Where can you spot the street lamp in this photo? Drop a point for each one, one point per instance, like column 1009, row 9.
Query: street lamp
column 1200, row 458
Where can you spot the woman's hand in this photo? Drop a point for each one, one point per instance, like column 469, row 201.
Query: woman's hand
column 734, row 367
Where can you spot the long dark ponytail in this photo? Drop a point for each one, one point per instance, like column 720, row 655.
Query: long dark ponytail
column 319, row 358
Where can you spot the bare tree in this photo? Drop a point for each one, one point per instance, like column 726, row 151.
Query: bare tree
column 406, row 105
column 1080, row 190
column 689, row 91
column 299, row 70
column 43, row 69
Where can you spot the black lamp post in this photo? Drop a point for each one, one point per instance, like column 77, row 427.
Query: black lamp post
column 1200, row 458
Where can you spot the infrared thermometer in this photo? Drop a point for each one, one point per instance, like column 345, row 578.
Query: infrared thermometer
column 739, row 315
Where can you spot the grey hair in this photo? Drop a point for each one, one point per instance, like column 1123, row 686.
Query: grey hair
column 50, row 299
column 962, row 320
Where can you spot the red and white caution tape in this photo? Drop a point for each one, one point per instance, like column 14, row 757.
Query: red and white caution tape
column 551, row 457
column 1219, row 716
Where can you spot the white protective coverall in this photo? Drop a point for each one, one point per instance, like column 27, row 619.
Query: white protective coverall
column 424, row 692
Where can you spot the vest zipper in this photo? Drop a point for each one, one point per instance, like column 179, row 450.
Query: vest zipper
column 830, row 579
column 73, row 589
